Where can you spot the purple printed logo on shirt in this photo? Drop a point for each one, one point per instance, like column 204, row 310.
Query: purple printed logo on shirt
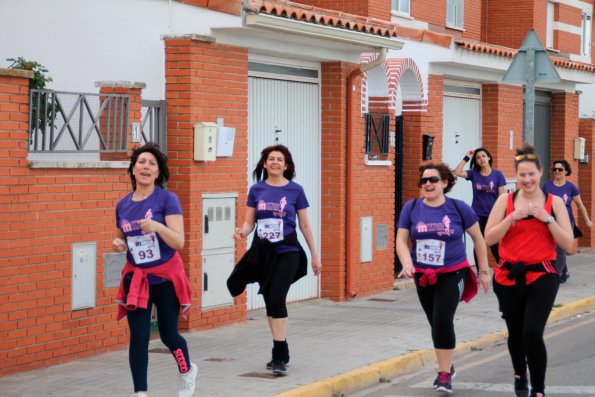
column 565, row 198
column 277, row 208
column 441, row 229
column 129, row 226
column 489, row 188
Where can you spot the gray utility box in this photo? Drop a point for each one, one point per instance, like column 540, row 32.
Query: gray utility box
column 218, row 247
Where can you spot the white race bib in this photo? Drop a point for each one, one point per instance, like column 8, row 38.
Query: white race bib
column 144, row 248
column 270, row 229
column 430, row 252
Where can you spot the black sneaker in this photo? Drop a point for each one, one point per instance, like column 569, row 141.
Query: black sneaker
column 270, row 365
column 453, row 374
column 564, row 277
column 279, row 367
column 535, row 394
column 443, row 382
column 521, row 386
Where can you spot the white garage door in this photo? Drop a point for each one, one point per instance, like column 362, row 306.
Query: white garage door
column 462, row 132
column 288, row 112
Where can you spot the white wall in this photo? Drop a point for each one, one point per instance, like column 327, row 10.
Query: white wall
column 586, row 107
column 84, row 41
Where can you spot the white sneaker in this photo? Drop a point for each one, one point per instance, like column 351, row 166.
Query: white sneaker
column 188, row 382
column 141, row 394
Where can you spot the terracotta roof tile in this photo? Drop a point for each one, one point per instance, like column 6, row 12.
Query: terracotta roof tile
column 510, row 53
column 342, row 20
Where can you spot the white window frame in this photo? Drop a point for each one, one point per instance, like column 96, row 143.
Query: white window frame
column 455, row 14
column 402, row 7
column 586, row 32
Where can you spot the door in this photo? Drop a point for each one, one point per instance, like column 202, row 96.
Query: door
column 462, row 132
column 542, row 132
column 288, row 113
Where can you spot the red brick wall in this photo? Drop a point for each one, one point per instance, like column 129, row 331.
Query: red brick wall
column 509, row 21
column 473, row 18
column 373, row 194
column 333, row 179
column 415, row 125
column 380, row 9
column 205, row 81
column 586, row 176
column 502, row 110
column 567, row 14
column 419, row 11
column 564, row 129
column 44, row 212
column 567, row 42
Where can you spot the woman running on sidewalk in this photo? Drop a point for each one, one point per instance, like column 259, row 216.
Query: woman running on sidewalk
column 435, row 224
column 150, row 231
column 568, row 192
column 528, row 224
column 487, row 184
column 275, row 258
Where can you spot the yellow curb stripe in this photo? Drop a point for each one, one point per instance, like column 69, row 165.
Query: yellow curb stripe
column 371, row 374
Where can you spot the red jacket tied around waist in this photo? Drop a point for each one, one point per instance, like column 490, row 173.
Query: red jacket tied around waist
column 138, row 294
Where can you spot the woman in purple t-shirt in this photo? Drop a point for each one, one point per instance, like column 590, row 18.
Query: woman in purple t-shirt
column 438, row 261
column 273, row 205
column 569, row 192
column 151, row 230
column 488, row 184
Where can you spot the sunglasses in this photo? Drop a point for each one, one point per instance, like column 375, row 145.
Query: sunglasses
column 558, row 169
column 431, row 179
column 529, row 156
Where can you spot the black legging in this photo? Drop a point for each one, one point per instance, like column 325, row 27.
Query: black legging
column 483, row 220
column 526, row 316
column 164, row 297
column 276, row 293
column 440, row 302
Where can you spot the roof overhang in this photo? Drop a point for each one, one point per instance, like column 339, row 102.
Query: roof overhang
column 368, row 41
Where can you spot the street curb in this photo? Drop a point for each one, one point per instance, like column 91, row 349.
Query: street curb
column 372, row 374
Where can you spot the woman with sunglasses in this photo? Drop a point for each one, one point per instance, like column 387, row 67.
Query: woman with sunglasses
column 487, row 184
column 438, row 261
column 528, row 224
column 569, row 192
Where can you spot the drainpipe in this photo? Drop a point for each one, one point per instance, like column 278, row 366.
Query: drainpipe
column 350, row 227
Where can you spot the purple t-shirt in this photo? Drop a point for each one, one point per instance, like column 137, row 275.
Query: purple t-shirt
column 567, row 192
column 146, row 250
column 437, row 232
column 485, row 190
column 276, row 210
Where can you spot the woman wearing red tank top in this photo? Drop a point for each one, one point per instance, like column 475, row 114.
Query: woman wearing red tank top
column 528, row 224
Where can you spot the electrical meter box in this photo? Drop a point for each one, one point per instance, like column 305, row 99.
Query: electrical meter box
column 205, row 141
column 218, row 247
column 579, row 148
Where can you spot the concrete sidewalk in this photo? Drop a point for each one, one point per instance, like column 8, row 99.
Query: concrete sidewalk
column 335, row 347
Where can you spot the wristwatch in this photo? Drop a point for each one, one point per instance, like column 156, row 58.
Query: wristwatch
column 551, row 219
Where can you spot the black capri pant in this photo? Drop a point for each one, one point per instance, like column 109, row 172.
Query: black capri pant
column 283, row 275
column 526, row 316
column 440, row 302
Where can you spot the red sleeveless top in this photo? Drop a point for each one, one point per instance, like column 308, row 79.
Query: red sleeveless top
column 528, row 241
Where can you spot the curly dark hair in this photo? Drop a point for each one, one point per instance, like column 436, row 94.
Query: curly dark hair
column 260, row 173
column 444, row 171
column 152, row 148
column 526, row 153
column 565, row 164
column 473, row 165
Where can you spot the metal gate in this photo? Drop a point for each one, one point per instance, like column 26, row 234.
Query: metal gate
column 542, row 131
column 288, row 112
column 153, row 123
column 462, row 132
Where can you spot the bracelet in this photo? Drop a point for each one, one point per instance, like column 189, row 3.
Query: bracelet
column 466, row 158
column 484, row 272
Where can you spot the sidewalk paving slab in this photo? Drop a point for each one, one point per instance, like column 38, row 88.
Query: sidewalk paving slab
column 365, row 338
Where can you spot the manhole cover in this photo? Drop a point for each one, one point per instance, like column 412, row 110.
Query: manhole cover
column 218, row 359
column 262, row 375
column 382, row 300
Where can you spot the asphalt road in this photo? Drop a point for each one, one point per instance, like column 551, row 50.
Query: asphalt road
column 488, row 372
